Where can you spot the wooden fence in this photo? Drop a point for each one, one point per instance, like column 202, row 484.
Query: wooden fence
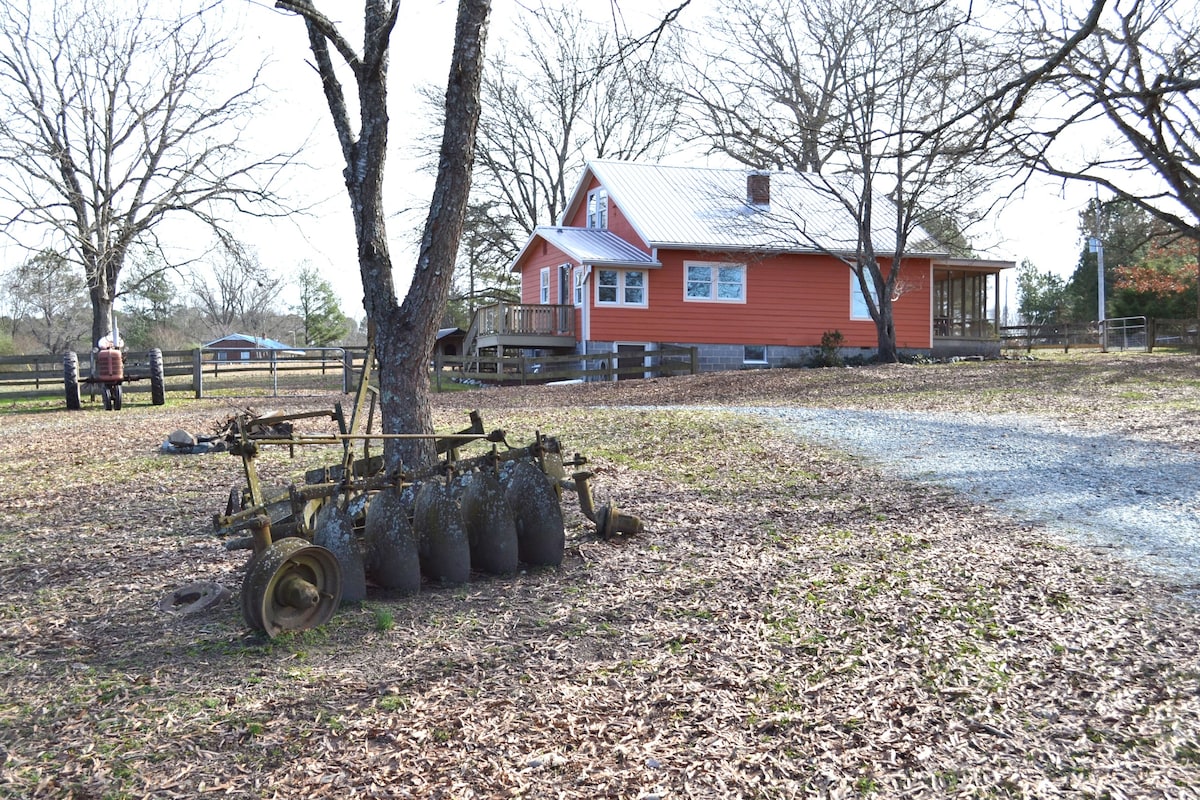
column 197, row 372
column 522, row 370
column 1179, row 334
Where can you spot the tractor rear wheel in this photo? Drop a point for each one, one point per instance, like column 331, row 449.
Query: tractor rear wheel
column 158, row 386
column 71, row 381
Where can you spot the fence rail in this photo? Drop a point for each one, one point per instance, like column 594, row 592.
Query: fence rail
column 198, row 372
column 666, row 360
column 1123, row 333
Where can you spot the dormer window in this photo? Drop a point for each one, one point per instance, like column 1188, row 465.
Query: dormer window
column 597, row 214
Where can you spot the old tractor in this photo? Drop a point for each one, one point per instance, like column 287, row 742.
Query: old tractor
column 317, row 545
column 110, row 370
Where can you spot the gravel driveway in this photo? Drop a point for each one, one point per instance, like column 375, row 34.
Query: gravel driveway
column 1140, row 499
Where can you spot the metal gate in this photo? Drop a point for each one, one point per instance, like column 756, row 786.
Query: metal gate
column 1124, row 333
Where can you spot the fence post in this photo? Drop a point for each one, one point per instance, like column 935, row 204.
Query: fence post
column 198, row 373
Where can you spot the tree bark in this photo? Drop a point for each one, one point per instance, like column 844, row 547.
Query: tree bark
column 404, row 334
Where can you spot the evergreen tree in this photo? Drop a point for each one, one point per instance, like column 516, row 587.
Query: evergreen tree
column 324, row 322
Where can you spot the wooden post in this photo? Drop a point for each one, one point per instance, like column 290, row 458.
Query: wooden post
column 198, row 373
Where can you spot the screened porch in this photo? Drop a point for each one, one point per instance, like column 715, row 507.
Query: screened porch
column 966, row 306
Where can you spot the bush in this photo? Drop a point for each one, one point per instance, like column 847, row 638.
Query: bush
column 829, row 355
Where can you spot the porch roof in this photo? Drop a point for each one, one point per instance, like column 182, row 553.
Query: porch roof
column 591, row 246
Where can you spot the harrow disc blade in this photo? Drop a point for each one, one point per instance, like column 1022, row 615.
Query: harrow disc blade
column 445, row 552
column 333, row 529
column 541, row 533
column 392, row 560
column 491, row 529
column 291, row 586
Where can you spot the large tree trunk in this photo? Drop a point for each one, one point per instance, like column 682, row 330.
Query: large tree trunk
column 885, row 327
column 405, row 340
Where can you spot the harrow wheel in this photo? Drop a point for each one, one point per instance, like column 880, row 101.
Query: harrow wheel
column 291, row 586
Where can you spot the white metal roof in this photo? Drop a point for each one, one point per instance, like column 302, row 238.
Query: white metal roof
column 706, row 208
column 591, row 246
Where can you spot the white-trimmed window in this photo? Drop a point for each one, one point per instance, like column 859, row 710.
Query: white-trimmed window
column 754, row 354
column 581, row 274
column 621, row 287
column 858, row 303
column 714, row 283
column 544, row 288
column 597, row 215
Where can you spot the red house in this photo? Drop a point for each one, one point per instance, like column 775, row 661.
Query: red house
column 733, row 262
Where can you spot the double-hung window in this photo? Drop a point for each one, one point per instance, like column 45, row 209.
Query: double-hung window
column 544, row 289
column 580, row 281
column 714, row 283
column 620, row 287
column 858, row 302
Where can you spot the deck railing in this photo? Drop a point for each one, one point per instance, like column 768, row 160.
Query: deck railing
column 502, row 319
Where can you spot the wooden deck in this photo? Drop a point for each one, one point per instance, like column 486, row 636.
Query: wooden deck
column 503, row 325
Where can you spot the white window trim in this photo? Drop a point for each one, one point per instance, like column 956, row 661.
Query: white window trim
column 597, row 209
column 754, row 361
column 620, row 301
column 579, row 281
column 544, row 288
column 858, row 303
column 714, row 265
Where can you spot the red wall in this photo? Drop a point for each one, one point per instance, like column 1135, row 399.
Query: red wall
column 790, row 300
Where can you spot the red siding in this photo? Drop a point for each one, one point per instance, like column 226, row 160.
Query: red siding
column 617, row 223
column 542, row 254
column 790, row 300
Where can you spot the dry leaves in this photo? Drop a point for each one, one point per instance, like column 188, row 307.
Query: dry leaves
column 790, row 625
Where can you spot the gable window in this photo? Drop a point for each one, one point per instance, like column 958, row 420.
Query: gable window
column 858, row 303
column 597, row 214
column 544, row 291
column 715, row 283
column 621, row 287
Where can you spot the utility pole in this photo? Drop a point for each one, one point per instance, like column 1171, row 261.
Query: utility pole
column 1096, row 246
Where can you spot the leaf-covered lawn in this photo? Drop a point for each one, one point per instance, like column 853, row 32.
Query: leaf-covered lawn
column 790, row 624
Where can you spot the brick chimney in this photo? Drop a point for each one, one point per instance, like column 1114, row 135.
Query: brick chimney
column 758, row 188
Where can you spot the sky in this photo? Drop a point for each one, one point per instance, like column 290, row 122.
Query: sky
column 1040, row 223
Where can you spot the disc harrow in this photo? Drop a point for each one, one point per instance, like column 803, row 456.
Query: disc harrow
column 318, row 544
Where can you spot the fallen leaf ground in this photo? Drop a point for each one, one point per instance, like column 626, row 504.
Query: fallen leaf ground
column 792, row 623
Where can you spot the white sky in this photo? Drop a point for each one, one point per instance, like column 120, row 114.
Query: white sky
column 1040, row 223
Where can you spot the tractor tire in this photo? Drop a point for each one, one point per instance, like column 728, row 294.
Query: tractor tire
column 116, row 397
column 71, row 381
column 158, row 385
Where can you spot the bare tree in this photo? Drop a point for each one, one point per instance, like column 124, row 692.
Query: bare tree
column 873, row 96
column 110, row 125
column 404, row 332
column 1132, row 87
column 236, row 292
column 761, row 82
column 547, row 110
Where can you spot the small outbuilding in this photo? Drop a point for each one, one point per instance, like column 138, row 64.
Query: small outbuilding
column 240, row 347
